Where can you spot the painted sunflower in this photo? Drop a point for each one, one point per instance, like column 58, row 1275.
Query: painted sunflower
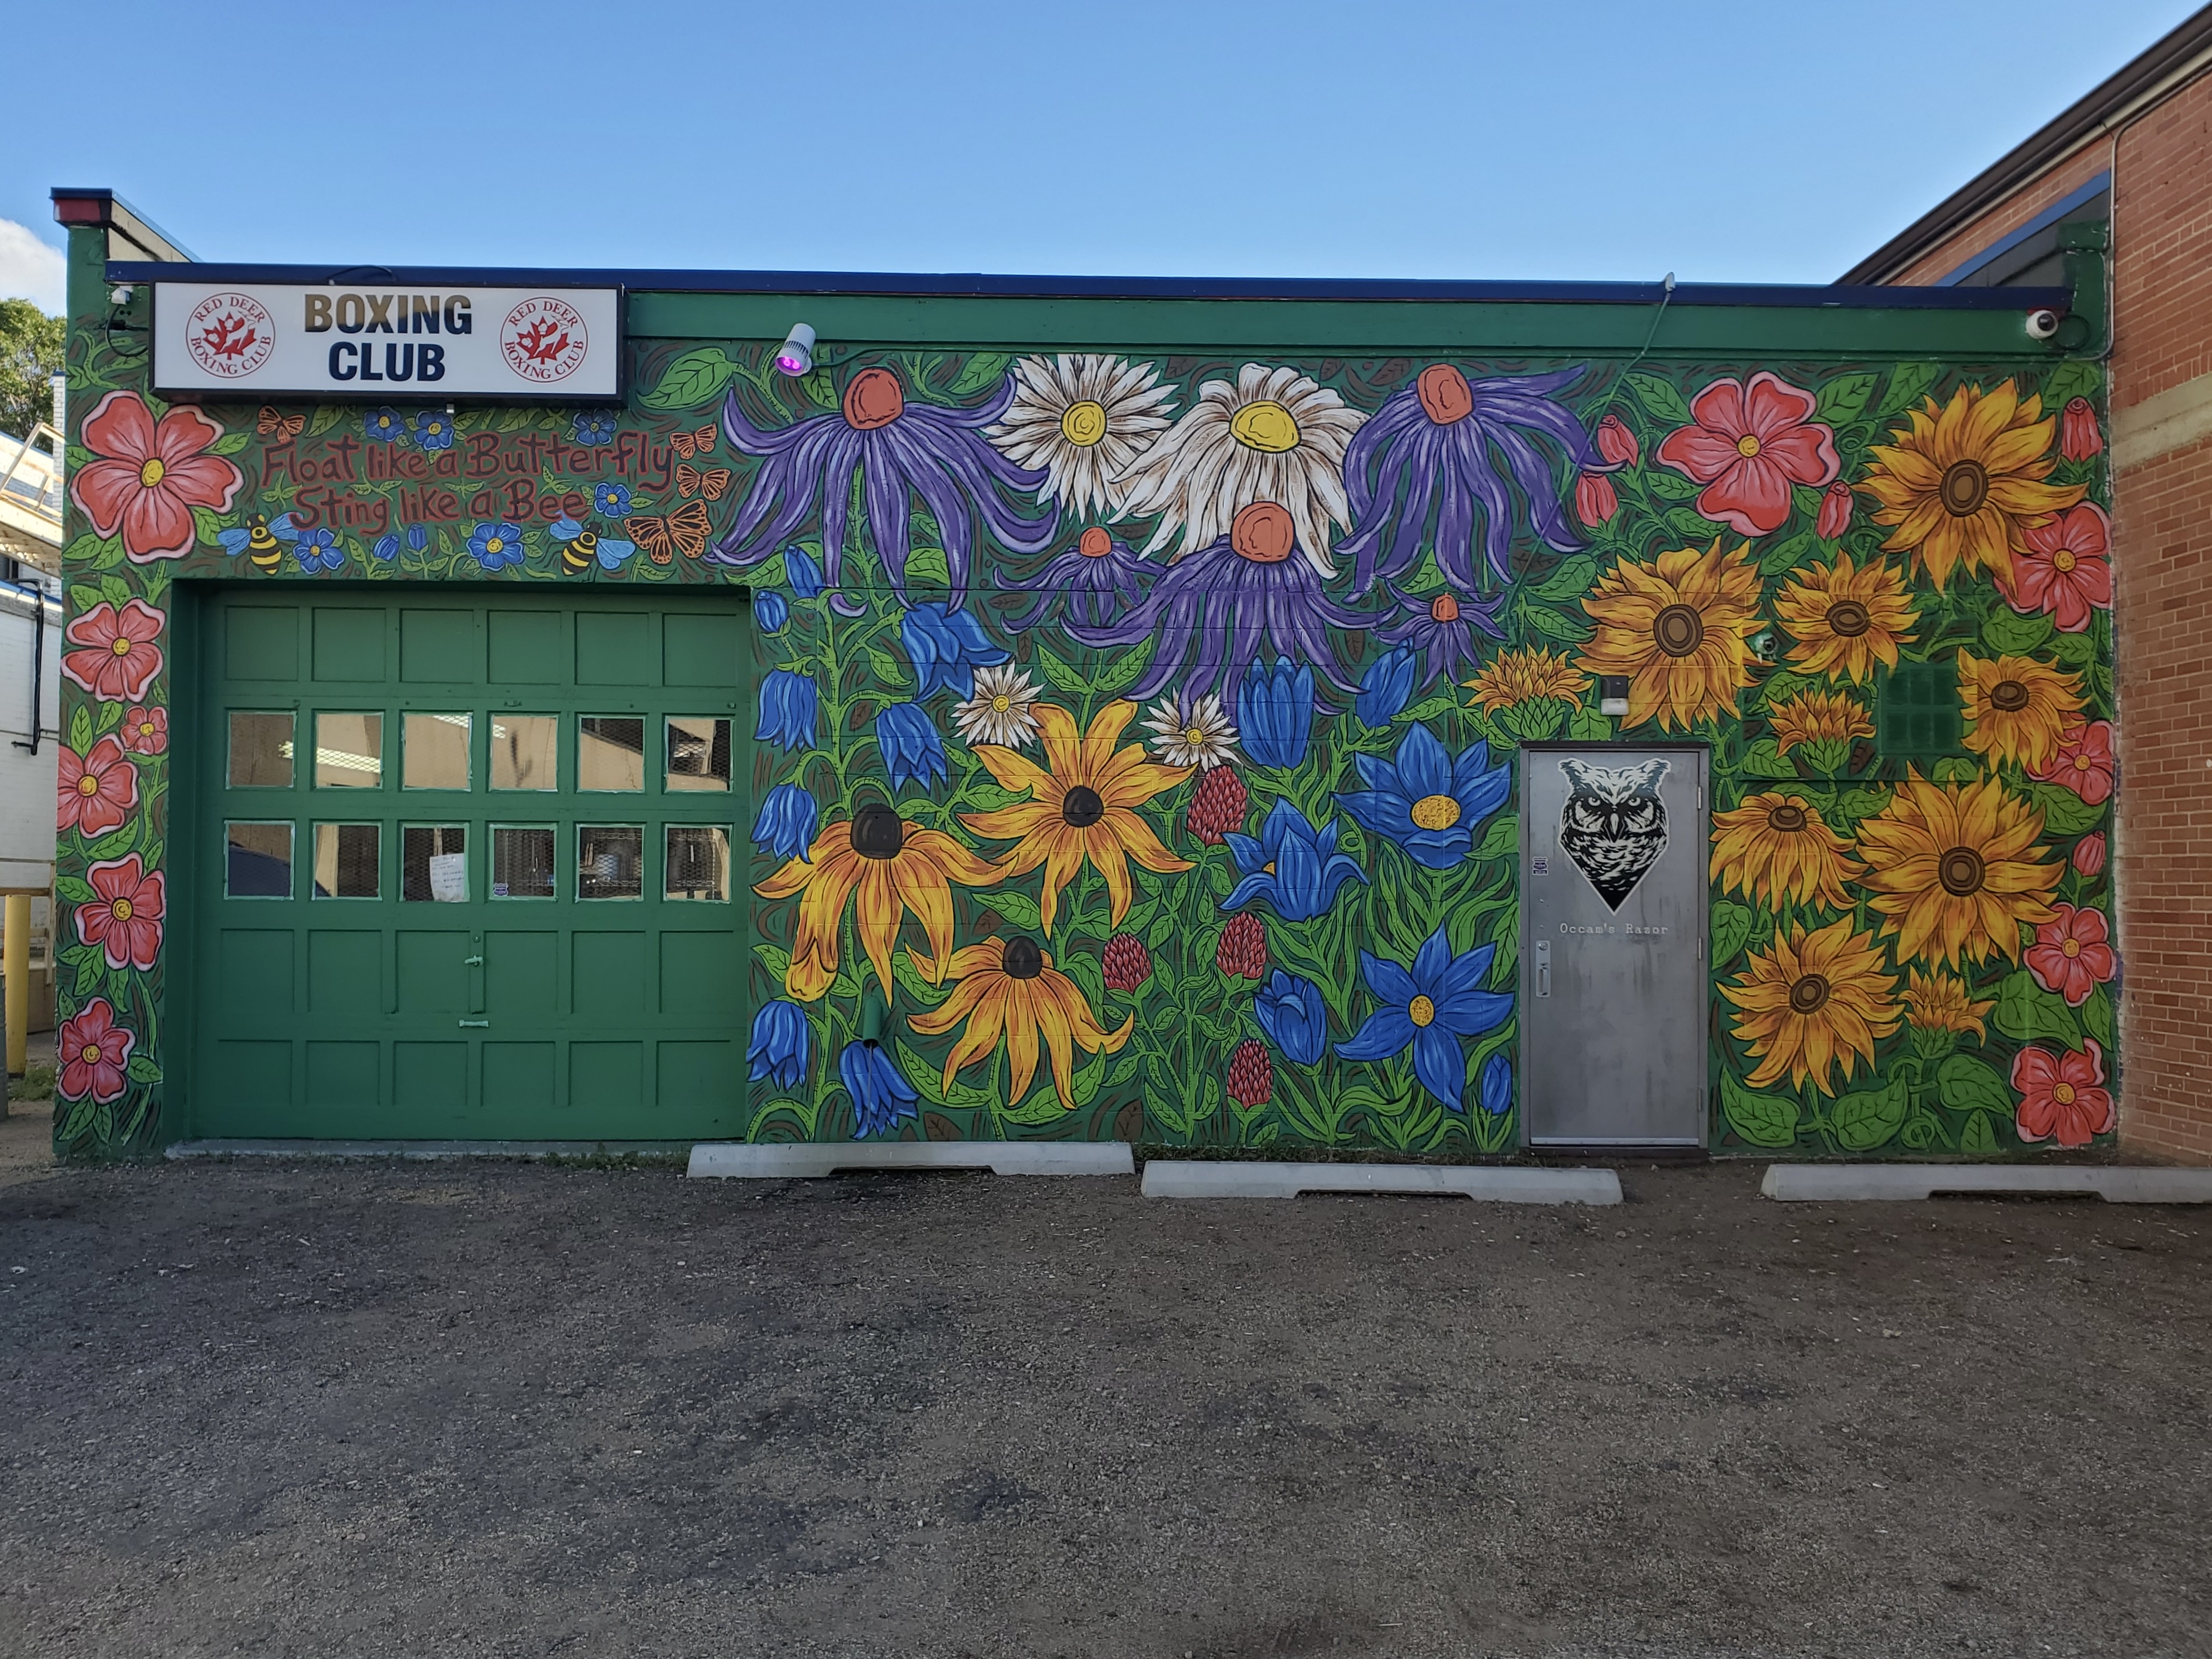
column 1009, row 987
column 1939, row 1002
column 893, row 866
column 1536, row 674
column 1677, row 627
column 1813, row 1002
column 1081, row 419
column 1962, row 482
column 2017, row 710
column 1954, row 871
column 1817, row 717
column 1083, row 807
column 1775, row 847
column 1845, row 618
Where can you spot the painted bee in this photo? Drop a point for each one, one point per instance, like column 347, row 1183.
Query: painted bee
column 261, row 540
column 579, row 546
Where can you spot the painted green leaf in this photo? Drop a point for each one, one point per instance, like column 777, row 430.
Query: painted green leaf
column 1571, row 581
column 115, row 843
column 230, row 443
column 1042, row 1107
column 1671, row 486
column 2075, row 650
column 143, row 1068
column 928, row 1081
column 1555, row 625
column 1956, row 768
column 1502, row 839
column 1732, row 925
column 1908, row 384
column 1017, row 909
column 1125, row 670
column 2016, row 635
column 1980, row 1138
column 1533, row 722
column 695, row 377
column 1661, row 397
column 1788, row 555
column 1872, row 1117
column 911, row 981
column 102, row 556
column 115, row 591
column 1688, row 522
column 1966, row 1084
column 776, row 959
column 2064, row 812
column 1759, row 1120
column 2024, row 1010
column 1844, row 398
column 325, row 417
column 985, row 368
column 75, row 889
column 1059, row 675
column 1366, row 1097
column 1429, row 707
column 1763, row 759
column 2097, row 1016
column 80, row 728
column 925, row 565
column 1587, row 725
column 2075, row 378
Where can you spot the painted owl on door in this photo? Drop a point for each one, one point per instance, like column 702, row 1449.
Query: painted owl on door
column 1613, row 824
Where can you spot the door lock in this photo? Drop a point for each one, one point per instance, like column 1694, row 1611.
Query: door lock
column 1543, row 967
column 476, row 1024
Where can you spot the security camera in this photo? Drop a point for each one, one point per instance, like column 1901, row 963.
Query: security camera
column 2042, row 324
column 121, row 295
column 796, row 355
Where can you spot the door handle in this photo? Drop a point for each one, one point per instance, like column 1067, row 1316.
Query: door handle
column 1543, row 967
column 476, row 1025
column 472, row 961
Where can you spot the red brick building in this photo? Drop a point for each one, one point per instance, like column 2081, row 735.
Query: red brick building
column 2133, row 161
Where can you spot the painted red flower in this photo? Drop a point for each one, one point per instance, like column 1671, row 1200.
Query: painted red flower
column 117, row 658
column 98, row 788
column 2062, row 1096
column 1616, row 442
column 2071, row 957
column 1128, row 963
column 124, row 918
column 1251, row 1082
column 147, row 476
column 1217, row 806
column 1836, row 506
column 2078, row 436
column 146, row 731
column 1749, row 443
column 2084, row 762
column 93, row 1050
column 1241, row 952
column 2065, row 569
column 1596, row 499
column 2089, row 854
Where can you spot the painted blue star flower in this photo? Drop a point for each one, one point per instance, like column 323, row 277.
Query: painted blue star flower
column 433, row 429
column 384, row 425
column 593, row 426
column 912, row 749
column 318, row 550
column 786, row 823
column 947, row 648
column 610, row 501
column 1290, row 1011
column 780, row 1043
column 788, row 704
column 882, row 1099
column 495, row 546
column 1276, row 712
column 1426, row 803
column 1429, row 1007
column 1297, row 869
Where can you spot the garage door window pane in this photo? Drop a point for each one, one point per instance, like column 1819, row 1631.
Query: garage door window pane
column 525, row 751
column 436, row 752
column 610, row 753
column 434, row 863
column 610, row 861
column 349, row 751
column 347, row 865
column 260, row 750
column 698, row 862
column 521, row 861
column 257, row 860
column 698, row 753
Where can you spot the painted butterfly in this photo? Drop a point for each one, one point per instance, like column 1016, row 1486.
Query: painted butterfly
column 690, row 481
column 282, row 428
column 689, row 443
column 685, row 529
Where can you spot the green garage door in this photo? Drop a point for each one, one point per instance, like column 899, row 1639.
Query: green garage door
column 469, row 867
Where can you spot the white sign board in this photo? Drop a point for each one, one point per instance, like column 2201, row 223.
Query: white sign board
column 269, row 340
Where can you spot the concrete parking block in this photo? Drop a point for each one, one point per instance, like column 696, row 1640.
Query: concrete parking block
column 813, row 1160
column 1224, row 1178
column 1844, row 1183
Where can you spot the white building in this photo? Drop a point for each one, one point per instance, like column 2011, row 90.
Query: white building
column 30, row 694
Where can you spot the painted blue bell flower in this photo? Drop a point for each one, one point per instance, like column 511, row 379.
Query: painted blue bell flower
column 1385, row 686
column 912, row 751
column 418, row 536
column 780, row 1043
column 318, row 550
column 1290, row 1011
column 947, row 648
column 882, row 1099
column 496, row 545
column 1297, row 869
column 801, row 571
column 385, row 548
column 1497, row 1086
column 787, row 823
column 384, row 425
column 1425, row 802
column 610, row 501
column 434, row 430
column 1428, row 1008
column 787, row 707
column 1274, row 712
column 593, row 426
column 770, row 610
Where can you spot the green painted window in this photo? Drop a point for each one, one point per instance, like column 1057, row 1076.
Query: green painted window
column 1917, row 711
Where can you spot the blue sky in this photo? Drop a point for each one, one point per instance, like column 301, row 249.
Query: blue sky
column 1748, row 142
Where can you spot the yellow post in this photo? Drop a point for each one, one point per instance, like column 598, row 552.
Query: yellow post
column 16, row 960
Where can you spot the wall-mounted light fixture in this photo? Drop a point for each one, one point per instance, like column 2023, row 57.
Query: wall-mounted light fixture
column 1613, row 694
column 796, row 355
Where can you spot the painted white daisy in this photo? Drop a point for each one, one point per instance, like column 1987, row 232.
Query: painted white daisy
column 1193, row 731
column 999, row 712
column 1081, row 419
column 1274, row 436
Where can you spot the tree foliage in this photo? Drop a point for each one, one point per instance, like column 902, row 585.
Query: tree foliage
column 30, row 353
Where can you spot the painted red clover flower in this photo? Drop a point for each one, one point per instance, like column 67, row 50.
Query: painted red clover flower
column 1129, row 964
column 1242, row 952
column 1251, row 1074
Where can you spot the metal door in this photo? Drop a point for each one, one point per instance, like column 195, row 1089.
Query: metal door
column 1614, row 955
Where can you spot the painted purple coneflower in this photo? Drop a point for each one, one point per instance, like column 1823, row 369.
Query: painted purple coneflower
column 1100, row 577
column 1443, row 629
column 1435, row 459
column 899, row 449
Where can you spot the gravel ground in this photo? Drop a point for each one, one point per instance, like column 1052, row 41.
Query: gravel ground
column 477, row 1409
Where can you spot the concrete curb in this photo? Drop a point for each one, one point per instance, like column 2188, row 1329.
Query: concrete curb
column 814, row 1159
column 1210, row 1178
column 424, row 1149
column 1843, row 1182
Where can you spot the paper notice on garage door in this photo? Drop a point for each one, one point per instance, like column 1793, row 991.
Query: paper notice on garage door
column 449, row 877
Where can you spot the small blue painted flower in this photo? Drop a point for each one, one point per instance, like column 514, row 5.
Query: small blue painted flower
column 788, row 707
column 1276, row 712
column 318, row 550
column 912, row 749
column 610, row 501
column 1290, row 1011
column 947, row 648
column 1497, row 1086
column 1386, row 686
column 780, row 1043
column 882, row 1099
column 593, row 426
column 433, row 429
column 1425, row 802
column 418, row 536
column 1297, row 869
column 771, row 611
column 495, row 546
column 384, row 425
column 787, row 823
column 1429, row 1008
column 385, row 548
column 800, row 573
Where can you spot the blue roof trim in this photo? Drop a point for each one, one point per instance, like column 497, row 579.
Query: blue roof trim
column 2043, row 221
column 1116, row 288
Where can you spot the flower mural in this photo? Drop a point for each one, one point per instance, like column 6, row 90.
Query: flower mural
column 124, row 915
column 1009, row 989
column 2062, row 1097
column 91, row 1053
column 99, row 789
column 1774, row 848
column 2063, row 568
column 1954, row 870
column 1428, row 1007
column 1677, row 628
column 1845, row 620
column 1815, row 1003
column 1426, row 801
column 1748, row 443
column 1082, row 420
column 112, row 654
column 146, row 475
